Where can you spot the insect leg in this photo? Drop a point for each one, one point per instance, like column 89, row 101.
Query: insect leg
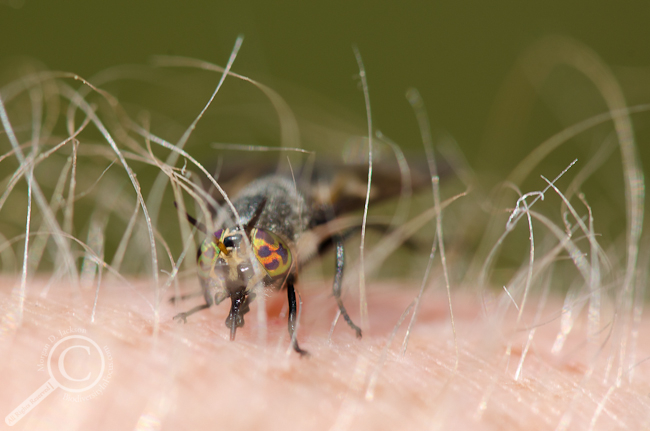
column 183, row 316
column 256, row 216
column 338, row 279
column 175, row 299
column 194, row 222
column 208, row 303
column 291, row 294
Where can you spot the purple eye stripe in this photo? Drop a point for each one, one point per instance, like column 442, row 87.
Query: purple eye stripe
column 282, row 252
column 274, row 264
column 264, row 251
column 261, row 234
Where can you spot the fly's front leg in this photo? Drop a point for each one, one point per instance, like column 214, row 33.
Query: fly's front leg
column 175, row 299
column 293, row 316
column 209, row 302
column 338, row 281
column 184, row 315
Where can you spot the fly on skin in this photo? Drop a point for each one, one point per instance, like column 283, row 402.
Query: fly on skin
column 260, row 249
column 233, row 263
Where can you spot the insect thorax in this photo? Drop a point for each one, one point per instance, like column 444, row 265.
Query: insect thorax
column 285, row 213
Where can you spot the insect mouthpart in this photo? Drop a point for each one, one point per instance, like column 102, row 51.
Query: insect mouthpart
column 239, row 287
column 239, row 306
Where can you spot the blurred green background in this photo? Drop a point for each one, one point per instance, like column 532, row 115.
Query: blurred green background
column 456, row 53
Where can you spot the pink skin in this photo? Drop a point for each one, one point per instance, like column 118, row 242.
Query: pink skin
column 190, row 376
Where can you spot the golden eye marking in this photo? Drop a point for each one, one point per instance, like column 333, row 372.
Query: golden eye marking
column 272, row 252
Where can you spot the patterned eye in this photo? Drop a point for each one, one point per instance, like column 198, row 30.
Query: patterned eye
column 208, row 254
column 272, row 252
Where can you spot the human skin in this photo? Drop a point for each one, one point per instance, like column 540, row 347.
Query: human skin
column 191, row 376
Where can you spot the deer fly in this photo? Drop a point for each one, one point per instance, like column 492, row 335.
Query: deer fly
column 262, row 246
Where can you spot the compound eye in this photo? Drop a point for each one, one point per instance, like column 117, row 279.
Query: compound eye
column 232, row 241
column 272, row 252
column 207, row 256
